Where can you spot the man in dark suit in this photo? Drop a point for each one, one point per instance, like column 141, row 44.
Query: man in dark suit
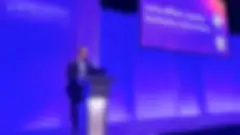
column 77, row 71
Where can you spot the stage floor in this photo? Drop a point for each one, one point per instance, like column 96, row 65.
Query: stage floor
column 164, row 126
column 157, row 127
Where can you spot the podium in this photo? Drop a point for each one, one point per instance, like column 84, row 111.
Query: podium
column 97, row 104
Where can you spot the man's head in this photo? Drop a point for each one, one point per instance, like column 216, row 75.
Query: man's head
column 83, row 53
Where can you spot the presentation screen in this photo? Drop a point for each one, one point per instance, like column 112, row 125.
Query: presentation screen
column 198, row 26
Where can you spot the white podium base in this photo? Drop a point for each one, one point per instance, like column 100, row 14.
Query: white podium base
column 96, row 116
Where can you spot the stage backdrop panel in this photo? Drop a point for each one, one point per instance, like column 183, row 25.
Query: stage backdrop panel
column 163, row 85
column 219, row 85
column 116, row 47
column 34, row 73
column 156, row 85
column 197, row 26
column 37, row 45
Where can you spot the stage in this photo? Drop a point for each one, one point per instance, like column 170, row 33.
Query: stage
column 155, row 127
column 165, row 126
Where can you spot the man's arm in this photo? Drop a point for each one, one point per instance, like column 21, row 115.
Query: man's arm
column 95, row 71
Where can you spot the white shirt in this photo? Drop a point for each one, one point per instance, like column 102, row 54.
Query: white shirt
column 82, row 68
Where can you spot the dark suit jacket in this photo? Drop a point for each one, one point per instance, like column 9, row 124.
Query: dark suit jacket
column 74, row 89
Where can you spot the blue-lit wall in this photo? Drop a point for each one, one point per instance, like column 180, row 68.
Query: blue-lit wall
column 34, row 57
column 36, row 47
column 173, row 84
